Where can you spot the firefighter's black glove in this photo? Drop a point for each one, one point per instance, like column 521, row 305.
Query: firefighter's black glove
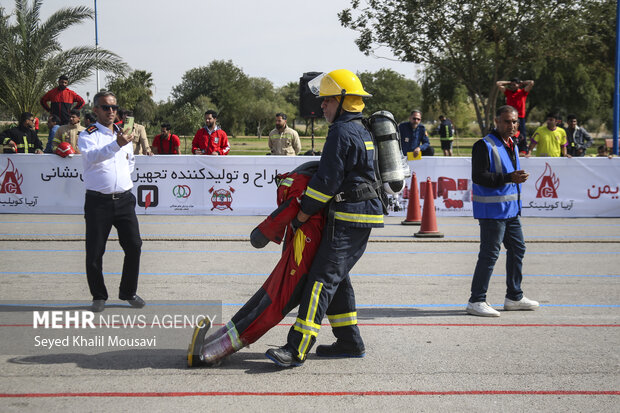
column 257, row 239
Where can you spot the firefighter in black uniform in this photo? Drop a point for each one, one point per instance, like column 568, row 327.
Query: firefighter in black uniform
column 345, row 187
column 23, row 138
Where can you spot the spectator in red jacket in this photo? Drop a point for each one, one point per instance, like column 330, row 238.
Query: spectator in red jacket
column 61, row 100
column 516, row 92
column 166, row 143
column 210, row 139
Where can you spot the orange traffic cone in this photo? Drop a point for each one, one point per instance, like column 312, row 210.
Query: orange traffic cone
column 414, row 213
column 428, row 229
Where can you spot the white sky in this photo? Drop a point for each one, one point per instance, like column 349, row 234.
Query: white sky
column 275, row 39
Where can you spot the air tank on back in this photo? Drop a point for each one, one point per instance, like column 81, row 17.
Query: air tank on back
column 393, row 167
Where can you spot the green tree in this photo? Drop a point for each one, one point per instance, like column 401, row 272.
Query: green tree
column 33, row 59
column 225, row 84
column 187, row 118
column 477, row 42
column 134, row 92
column 581, row 79
column 391, row 91
column 262, row 105
column 443, row 95
column 290, row 93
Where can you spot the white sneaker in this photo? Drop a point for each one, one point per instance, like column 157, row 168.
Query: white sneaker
column 482, row 309
column 523, row 304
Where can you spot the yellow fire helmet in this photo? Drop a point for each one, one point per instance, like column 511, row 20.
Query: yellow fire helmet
column 334, row 82
column 338, row 83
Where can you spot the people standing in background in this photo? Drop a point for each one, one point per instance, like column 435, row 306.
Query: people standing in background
column 61, row 100
column 516, row 92
column 282, row 139
column 53, row 123
column 446, row 132
column 414, row 137
column 550, row 139
column 577, row 137
column 22, row 138
column 166, row 143
column 210, row 139
column 140, row 140
column 69, row 132
column 89, row 119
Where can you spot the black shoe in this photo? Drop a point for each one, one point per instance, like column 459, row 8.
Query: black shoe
column 196, row 343
column 97, row 306
column 135, row 301
column 337, row 350
column 283, row 357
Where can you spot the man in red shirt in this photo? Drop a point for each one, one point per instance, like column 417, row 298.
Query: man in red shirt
column 210, row 140
column 166, row 143
column 61, row 100
column 516, row 92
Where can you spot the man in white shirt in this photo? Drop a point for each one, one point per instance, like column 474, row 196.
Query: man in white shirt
column 108, row 158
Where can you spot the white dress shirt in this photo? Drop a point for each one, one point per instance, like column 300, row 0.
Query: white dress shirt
column 107, row 166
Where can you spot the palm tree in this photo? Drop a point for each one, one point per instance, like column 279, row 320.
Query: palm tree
column 33, row 59
column 132, row 88
column 134, row 92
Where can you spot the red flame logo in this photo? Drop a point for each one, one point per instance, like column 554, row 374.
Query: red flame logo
column 547, row 184
column 11, row 180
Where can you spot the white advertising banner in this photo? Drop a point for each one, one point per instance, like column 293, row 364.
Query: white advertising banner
column 557, row 187
column 184, row 184
column 245, row 185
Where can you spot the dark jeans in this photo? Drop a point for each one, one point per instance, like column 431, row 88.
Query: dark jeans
column 492, row 233
column 100, row 214
column 574, row 151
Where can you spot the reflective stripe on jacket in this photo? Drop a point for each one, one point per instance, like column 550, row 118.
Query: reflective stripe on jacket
column 347, row 161
column 502, row 202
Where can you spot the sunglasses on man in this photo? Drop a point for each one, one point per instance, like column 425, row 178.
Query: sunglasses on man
column 106, row 108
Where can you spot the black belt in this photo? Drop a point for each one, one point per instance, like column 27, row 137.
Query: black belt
column 115, row 195
column 361, row 192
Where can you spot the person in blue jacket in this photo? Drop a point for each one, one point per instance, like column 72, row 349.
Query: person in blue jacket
column 345, row 188
column 496, row 196
column 413, row 136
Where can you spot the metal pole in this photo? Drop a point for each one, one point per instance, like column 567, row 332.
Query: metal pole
column 312, row 129
column 96, row 48
column 617, row 83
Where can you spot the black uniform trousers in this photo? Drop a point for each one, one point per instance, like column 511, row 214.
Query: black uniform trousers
column 101, row 212
column 328, row 290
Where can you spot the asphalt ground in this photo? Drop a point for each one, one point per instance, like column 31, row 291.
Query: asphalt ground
column 424, row 353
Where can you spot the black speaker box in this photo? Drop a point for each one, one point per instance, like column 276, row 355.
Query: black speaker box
column 309, row 105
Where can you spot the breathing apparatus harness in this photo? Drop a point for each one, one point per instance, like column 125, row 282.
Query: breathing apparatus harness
column 390, row 168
